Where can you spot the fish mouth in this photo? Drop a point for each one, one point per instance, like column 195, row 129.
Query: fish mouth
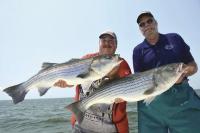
column 181, row 68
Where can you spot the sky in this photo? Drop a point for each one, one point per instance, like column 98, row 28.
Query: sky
column 37, row 31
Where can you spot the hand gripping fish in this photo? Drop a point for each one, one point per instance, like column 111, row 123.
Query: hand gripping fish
column 135, row 87
column 75, row 71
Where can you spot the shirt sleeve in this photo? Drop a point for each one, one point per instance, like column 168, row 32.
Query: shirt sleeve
column 90, row 55
column 186, row 56
column 124, row 69
column 137, row 60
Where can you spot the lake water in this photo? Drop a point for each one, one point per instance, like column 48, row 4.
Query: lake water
column 45, row 116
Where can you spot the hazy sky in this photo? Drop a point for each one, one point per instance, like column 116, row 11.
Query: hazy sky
column 35, row 31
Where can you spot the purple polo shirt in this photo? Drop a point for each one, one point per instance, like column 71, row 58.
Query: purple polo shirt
column 170, row 48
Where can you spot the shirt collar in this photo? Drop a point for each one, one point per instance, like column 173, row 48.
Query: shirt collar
column 160, row 40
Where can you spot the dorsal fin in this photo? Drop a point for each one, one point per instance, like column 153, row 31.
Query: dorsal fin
column 72, row 60
column 47, row 64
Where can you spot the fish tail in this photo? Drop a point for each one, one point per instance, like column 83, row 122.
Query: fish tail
column 77, row 110
column 17, row 92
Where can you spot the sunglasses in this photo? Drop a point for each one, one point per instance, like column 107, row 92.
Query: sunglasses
column 149, row 21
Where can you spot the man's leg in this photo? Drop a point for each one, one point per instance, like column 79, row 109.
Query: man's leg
column 149, row 121
column 188, row 119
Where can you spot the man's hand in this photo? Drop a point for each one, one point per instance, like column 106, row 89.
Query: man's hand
column 189, row 69
column 62, row 84
column 118, row 100
column 181, row 78
column 113, row 74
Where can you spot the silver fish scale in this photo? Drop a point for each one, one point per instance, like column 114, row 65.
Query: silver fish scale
column 58, row 71
column 123, row 87
column 135, row 87
column 69, row 64
column 75, row 71
column 70, row 69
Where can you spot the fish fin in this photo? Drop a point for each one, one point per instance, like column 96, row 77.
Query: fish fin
column 83, row 75
column 90, row 72
column 17, row 92
column 47, row 64
column 149, row 91
column 77, row 110
column 147, row 101
column 42, row 91
column 72, row 61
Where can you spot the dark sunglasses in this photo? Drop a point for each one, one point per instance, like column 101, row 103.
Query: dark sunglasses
column 149, row 21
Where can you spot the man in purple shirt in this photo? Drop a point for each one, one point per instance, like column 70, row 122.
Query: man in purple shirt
column 178, row 109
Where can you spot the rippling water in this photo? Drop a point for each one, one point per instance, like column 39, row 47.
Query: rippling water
column 44, row 116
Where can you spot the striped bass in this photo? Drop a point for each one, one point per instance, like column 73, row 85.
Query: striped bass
column 135, row 87
column 75, row 71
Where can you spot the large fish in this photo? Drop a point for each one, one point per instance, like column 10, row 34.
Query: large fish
column 75, row 71
column 135, row 87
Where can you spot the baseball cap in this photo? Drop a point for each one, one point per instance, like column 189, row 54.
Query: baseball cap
column 144, row 13
column 108, row 33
